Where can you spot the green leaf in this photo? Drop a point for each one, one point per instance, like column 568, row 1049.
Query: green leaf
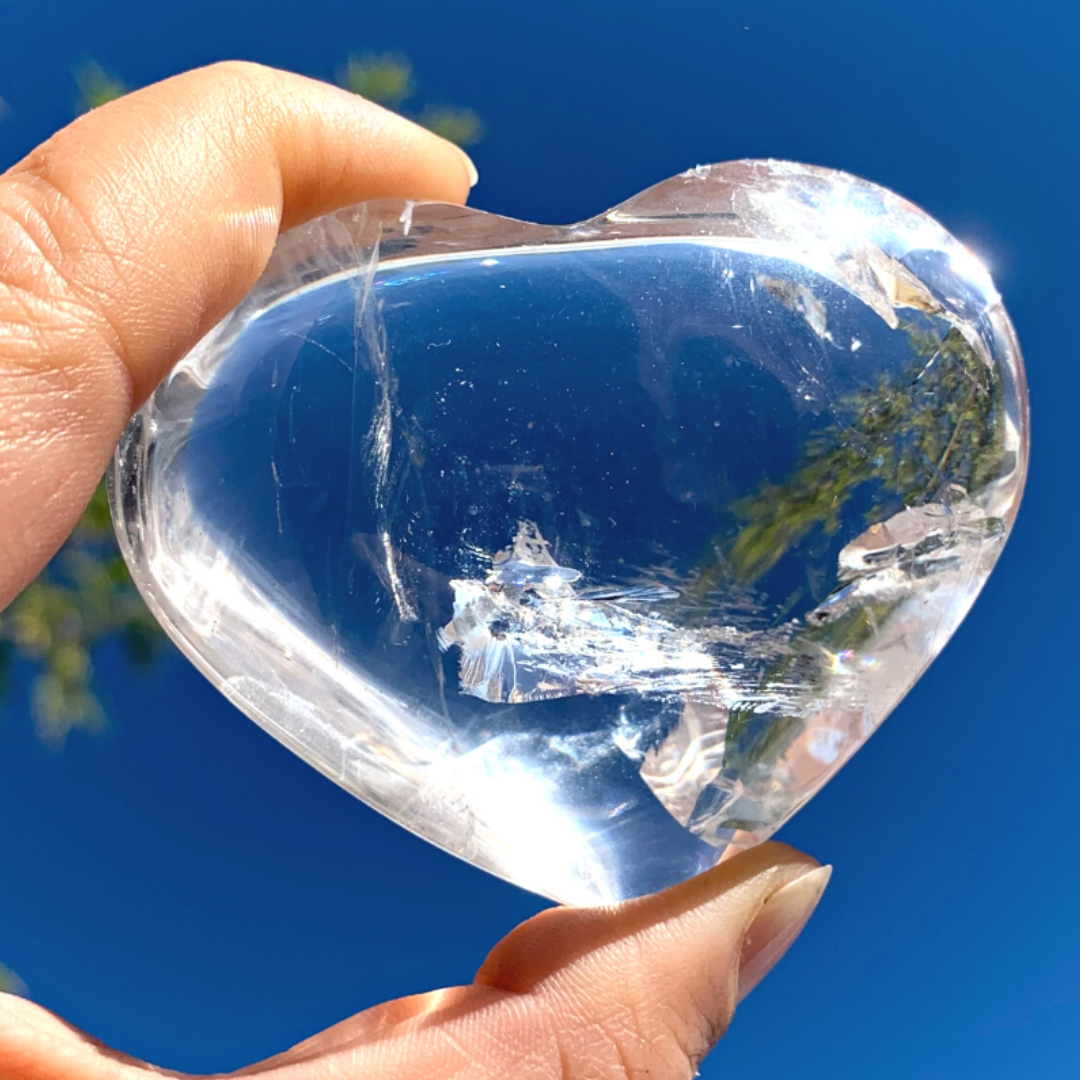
column 938, row 422
column 460, row 126
column 84, row 597
column 384, row 78
column 97, row 86
column 10, row 983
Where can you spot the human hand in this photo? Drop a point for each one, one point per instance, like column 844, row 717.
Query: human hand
column 123, row 239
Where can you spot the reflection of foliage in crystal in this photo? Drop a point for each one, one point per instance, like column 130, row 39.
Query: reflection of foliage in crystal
column 760, row 736
column 84, row 596
column 938, row 422
column 387, row 79
column 97, row 87
column 757, row 738
column 10, row 983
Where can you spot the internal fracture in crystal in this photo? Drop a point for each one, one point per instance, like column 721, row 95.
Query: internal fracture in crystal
column 525, row 634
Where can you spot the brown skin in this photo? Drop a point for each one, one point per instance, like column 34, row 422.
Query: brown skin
column 123, row 239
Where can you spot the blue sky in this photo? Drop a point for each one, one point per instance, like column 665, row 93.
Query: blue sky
column 185, row 889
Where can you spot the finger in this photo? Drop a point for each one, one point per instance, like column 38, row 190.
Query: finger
column 36, row 1045
column 127, row 235
column 640, row 990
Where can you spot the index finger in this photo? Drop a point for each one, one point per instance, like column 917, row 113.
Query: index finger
column 128, row 234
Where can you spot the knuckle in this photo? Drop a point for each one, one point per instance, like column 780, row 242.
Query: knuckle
column 238, row 69
column 32, row 254
column 241, row 79
column 232, row 102
column 47, row 297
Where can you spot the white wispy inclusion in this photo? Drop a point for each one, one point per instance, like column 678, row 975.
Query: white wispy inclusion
column 798, row 298
column 921, row 569
column 526, row 634
column 370, row 331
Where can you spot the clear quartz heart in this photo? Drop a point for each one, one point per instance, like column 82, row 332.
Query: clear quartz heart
column 589, row 553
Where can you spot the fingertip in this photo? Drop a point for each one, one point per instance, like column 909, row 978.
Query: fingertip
column 777, row 924
column 471, row 172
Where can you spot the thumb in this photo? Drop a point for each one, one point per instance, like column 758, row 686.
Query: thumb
column 640, row 990
column 647, row 988
column 643, row 989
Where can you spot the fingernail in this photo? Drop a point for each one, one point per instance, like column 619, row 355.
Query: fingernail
column 470, row 167
column 777, row 925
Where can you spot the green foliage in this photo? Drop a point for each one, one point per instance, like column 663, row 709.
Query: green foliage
column 96, row 85
column 460, row 126
column 10, row 983
column 938, row 422
column 82, row 598
column 387, row 79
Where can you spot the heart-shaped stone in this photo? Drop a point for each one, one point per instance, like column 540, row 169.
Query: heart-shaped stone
column 588, row 553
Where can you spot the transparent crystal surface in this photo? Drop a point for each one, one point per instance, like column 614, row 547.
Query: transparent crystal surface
column 589, row 553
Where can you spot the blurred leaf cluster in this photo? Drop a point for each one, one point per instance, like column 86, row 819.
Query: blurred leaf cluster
column 387, row 79
column 97, row 86
column 82, row 598
column 10, row 983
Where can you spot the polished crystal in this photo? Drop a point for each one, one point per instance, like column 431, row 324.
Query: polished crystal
column 588, row 553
